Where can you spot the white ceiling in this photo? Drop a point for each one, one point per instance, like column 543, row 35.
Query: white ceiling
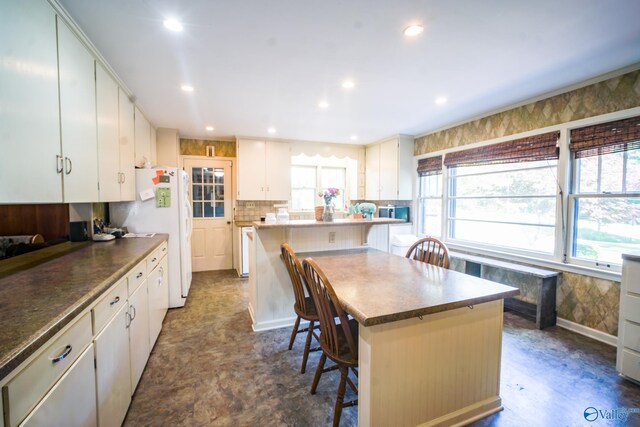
column 267, row 63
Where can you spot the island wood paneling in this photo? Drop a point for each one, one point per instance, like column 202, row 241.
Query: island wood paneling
column 442, row 369
column 50, row 220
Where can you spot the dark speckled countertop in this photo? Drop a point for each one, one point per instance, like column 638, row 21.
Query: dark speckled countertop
column 376, row 287
column 38, row 302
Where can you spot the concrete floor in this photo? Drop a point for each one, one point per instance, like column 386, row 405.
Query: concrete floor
column 209, row 368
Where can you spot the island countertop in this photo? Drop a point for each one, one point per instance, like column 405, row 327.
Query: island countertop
column 376, row 287
column 337, row 222
column 38, row 302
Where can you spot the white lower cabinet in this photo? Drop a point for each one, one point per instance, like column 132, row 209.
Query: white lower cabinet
column 86, row 374
column 158, row 299
column 139, row 346
column 113, row 378
column 71, row 402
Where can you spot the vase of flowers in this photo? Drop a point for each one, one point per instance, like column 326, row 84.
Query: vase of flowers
column 328, row 195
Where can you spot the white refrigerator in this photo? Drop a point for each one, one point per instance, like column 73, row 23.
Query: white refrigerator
column 162, row 206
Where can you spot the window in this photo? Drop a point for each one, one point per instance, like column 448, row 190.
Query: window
column 510, row 205
column 308, row 181
column 303, row 187
column 605, row 200
column 208, row 192
column 430, row 196
column 505, row 194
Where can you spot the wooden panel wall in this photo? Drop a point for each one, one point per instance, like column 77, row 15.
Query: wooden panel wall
column 50, row 220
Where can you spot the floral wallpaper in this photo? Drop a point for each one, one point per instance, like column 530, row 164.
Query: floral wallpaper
column 198, row 147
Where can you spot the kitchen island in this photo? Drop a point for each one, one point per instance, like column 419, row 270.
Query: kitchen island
column 270, row 293
column 430, row 339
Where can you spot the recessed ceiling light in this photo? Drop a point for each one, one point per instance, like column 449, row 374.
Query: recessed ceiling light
column 209, row 128
column 348, row 84
column 441, row 100
column 173, row 25
column 413, row 30
column 323, row 104
column 271, row 130
column 187, row 88
column 353, row 137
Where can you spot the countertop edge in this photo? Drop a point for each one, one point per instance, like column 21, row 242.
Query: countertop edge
column 378, row 320
column 30, row 345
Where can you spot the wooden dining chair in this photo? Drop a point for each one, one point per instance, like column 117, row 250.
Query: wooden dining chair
column 339, row 341
column 303, row 306
column 431, row 251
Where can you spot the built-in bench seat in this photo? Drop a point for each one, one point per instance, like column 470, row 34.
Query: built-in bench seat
column 537, row 286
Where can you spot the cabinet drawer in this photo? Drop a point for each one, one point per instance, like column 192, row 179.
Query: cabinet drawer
column 631, row 364
column 137, row 276
column 153, row 260
column 630, row 274
column 163, row 250
column 631, row 337
column 23, row 392
column 109, row 305
column 630, row 308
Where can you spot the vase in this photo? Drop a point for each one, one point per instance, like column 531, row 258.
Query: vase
column 327, row 214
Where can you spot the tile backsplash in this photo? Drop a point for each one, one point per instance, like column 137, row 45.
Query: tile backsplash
column 252, row 210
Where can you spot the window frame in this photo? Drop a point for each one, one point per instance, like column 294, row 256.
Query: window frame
column 572, row 199
column 420, row 217
column 317, row 199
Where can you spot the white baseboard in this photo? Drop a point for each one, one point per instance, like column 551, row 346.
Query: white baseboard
column 275, row 324
column 588, row 332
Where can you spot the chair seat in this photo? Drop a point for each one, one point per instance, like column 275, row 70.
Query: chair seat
column 310, row 313
column 345, row 357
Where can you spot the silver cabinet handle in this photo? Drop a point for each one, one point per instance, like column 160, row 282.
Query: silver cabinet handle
column 139, row 275
column 59, row 163
column 134, row 312
column 154, row 259
column 69, row 165
column 65, row 353
column 115, row 301
column 119, row 177
column 164, row 249
column 124, row 177
column 127, row 319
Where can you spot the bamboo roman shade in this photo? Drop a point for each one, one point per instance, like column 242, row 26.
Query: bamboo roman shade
column 529, row 149
column 606, row 138
column 430, row 166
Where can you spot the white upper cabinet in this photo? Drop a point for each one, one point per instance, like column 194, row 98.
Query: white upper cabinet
column 77, row 118
column 108, row 145
column 264, row 170
column 29, row 113
column 127, row 147
column 388, row 174
column 142, row 139
column 115, row 156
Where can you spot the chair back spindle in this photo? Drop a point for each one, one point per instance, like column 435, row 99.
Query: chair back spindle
column 431, row 251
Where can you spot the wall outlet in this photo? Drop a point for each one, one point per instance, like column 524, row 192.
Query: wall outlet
column 249, row 204
column 332, row 237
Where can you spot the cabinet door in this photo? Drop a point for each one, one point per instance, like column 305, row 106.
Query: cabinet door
column 158, row 299
column 251, row 170
column 142, row 139
column 113, row 377
column 29, row 113
column 139, row 348
column 389, row 170
column 372, row 189
column 72, row 401
column 77, row 117
column 278, row 171
column 127, row 147
column 108, row 146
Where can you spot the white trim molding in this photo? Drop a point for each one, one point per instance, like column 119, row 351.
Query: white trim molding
column 588, row 332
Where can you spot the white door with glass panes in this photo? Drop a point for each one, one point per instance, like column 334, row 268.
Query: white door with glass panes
column 211, row 246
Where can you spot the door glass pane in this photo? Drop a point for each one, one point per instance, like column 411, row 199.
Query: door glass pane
column 218, row 175
column 208, row 192
column 196, row 175
column 197, row 209
column 197, row 192
column 219, row 209
column 219, row 192
column 208, row 210
column 207, row 175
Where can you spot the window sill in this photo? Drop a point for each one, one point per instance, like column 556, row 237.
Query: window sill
column 615, row 276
